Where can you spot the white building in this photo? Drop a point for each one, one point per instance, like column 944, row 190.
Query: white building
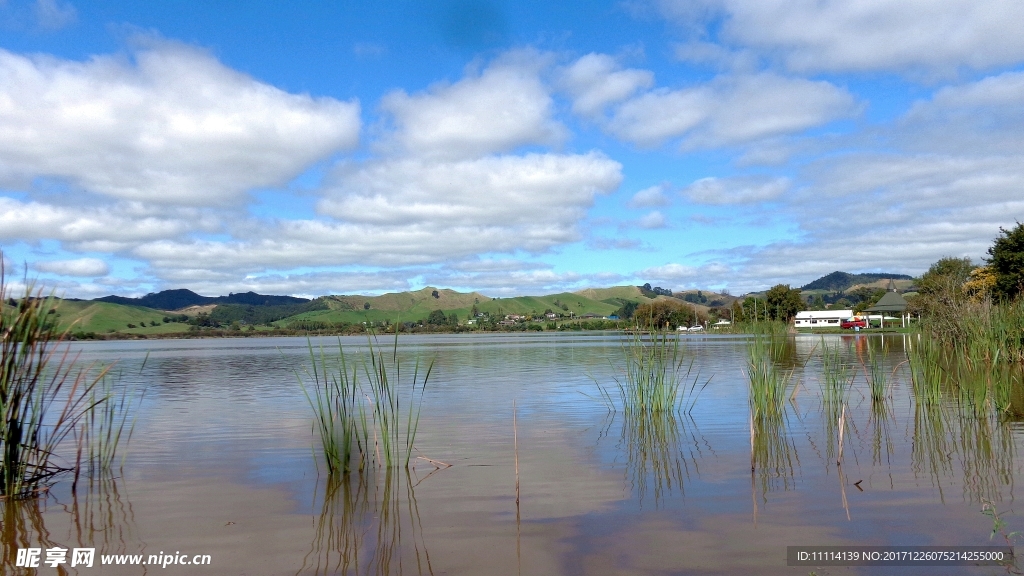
column 821, row 318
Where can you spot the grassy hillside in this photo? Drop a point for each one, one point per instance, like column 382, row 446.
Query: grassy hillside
column 414, row 302
column 631, row 293
column 418, row 307
column 103, row 317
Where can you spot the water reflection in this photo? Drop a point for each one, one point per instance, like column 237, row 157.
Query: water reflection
column 369, row 524
column 99, row 515
column 661, row 448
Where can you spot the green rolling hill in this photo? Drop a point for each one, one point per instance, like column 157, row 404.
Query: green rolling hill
column 125, row 315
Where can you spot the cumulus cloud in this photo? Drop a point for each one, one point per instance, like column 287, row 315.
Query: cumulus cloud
column 985, row 116
column 545, row 191
column 503, row 108
column 399, row 212
column 596, row 80
column 736, row 190
column 77, row 267
column 730, row 110
column 862, row 35
column 651, row 197
column 652, row 220
column 172, row 126
column 103, row 228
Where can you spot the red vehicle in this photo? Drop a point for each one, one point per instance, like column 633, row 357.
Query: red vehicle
column 855, row 322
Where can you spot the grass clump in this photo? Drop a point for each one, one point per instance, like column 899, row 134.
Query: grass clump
column 362, row 425
column 654, row 377
column 45, row 399
column 771, row 451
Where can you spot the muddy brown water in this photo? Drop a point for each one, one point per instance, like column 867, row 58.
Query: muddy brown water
column 223, row 462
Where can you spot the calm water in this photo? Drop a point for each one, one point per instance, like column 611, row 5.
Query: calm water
column 222, row 463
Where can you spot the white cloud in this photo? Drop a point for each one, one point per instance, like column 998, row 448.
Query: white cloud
column 503, row 108
column 535, row 191
column 681, row 275
column 651, row 197
column 409, row 211
column 53, row 14
column 730, row 110
column 986, row 116
column 174, row 126
column 89, row 228
column 77, row 267
column 596, row 80
column 736, row 190
column 652, row 220
column 863, row 35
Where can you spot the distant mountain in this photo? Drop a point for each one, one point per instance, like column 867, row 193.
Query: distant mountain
column 182, row 298
column 839, row 281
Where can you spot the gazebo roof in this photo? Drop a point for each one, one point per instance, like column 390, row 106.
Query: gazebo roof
column 890, row 302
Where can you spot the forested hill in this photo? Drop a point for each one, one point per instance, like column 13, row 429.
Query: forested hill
column 839, row 281
column 178, row 299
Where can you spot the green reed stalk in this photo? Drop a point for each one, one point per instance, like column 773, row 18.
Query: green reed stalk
column 927, row 374
column 380, row 431
column 769, row 385
column 43, row 395
column 653, row 379
column 770, row 388
column 879, row 379
column 341, row 419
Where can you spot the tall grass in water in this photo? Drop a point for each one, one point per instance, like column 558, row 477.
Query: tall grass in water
column 365, row 425
column 836, row 381
column 654, row 378
column 656, row 390
column 772, row 453
column 45, row 398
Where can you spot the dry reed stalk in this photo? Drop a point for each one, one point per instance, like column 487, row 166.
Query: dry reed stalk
column 515, row 441
column 752, row 467
column 436, row 463
column 842, row 423
column 842, row 490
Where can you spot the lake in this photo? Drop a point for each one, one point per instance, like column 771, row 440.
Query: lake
column 223, row 461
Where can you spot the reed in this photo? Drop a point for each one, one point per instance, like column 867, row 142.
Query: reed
column 928, row 377
column 655, row 459
column 836, row 381
column 106, row 428
column 772, row 453
column 365, row 425
column 340, row 417
column 879, row 379
column 45, row 398
column 654, row 377
column 770, row 385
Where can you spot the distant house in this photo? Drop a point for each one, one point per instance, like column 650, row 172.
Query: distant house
column 821, row 318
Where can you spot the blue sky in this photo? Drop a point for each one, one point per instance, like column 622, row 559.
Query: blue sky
column 510, row 148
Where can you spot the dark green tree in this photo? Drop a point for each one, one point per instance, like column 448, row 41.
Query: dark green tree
column 941, row 288
column 783, row 302
column 437, row 318
column 1006, row 258
column 946, row 277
